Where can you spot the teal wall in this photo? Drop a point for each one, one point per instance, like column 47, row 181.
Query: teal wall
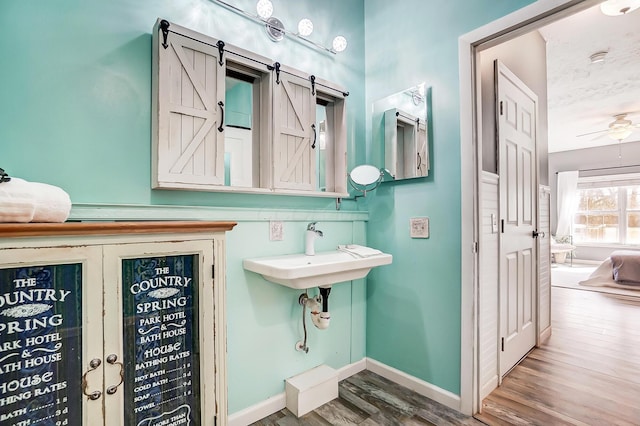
column 413, row 306
column 75, row 111
column 238, row 102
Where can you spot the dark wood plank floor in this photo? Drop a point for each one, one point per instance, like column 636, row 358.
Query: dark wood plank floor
column 368, row 399
column 587, row 373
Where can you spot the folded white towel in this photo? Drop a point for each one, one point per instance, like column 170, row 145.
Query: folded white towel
column 22, row 201
column 360, row 251
column 52, row 203
column 17, row 201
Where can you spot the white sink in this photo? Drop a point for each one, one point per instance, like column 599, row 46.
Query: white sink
column 321, row 270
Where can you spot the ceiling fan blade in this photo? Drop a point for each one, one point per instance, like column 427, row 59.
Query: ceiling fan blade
column 593, row 133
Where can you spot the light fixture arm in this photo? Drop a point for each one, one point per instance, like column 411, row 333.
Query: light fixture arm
column 258, row 19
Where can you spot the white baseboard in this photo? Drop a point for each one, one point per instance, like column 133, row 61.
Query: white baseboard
column 258, row 411
column 278, row 402
column 351, row 369
column 436, row 393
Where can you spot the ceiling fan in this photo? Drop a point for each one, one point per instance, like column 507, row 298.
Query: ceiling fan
column 619, row 129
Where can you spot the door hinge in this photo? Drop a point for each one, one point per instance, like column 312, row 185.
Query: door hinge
column 502, row 344
column 213, row 271
column 502, row 225
column 501, row 108
column 475, row 247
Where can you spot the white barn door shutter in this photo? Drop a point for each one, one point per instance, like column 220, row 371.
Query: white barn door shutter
column 189, row 148
column 294, row 118
column 423, row 165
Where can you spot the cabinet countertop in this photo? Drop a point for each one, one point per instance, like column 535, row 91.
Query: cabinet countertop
column 12, row 230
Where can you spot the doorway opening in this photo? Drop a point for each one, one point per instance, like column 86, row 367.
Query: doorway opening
column 471, row 45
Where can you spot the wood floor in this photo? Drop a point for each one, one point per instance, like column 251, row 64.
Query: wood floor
column 368, row 399
column 587, row 373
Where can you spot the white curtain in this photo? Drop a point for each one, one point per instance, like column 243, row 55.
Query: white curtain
column 567, row 201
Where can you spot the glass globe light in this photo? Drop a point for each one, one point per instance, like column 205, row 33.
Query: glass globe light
column 339, row 44
column 619, row 7
column 264, row 8
column 305, row 27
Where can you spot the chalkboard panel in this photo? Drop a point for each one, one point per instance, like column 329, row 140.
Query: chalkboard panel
column 41, row 345
column 162, row 354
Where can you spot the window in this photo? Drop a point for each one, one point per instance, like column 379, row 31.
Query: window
column 608, row 211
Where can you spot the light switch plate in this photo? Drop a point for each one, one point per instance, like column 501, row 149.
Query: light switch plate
column 419, row 227
column 276, row 231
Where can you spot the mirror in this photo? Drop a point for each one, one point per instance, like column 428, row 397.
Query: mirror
column 365, row 175
column 363, row 178
column 400, row 133
column 238, row 139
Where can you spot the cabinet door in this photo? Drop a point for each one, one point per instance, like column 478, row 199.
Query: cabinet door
column 51, row 336
column 159, row 333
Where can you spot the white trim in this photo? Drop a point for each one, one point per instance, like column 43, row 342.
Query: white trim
column 351, row 369
column 509, row 26
column 433, row 392
column 104, row 212
column 491, row 178
column 259, row 411
column 278, row 402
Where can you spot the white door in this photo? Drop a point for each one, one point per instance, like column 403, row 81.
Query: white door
column 517, row 111
column 238, row 146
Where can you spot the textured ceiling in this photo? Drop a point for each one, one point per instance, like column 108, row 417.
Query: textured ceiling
column 584, row 97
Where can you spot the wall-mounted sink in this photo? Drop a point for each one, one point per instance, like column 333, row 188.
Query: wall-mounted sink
column 323, row 269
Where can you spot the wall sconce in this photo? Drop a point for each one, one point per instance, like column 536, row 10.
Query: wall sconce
column 619, row 7
column 276, row 30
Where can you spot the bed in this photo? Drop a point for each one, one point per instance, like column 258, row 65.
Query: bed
column 621, row 269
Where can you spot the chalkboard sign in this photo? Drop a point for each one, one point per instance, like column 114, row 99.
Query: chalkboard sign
column 41, row 345
column 162, row 359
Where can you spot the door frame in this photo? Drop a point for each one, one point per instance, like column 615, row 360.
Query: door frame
column 524, row 20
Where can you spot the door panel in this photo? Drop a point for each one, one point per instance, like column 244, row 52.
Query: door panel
column 295, row 134
column 190, row 147
column 516, row 105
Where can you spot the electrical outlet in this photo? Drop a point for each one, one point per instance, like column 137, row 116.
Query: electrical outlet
column 276, row 231
column 419, row 227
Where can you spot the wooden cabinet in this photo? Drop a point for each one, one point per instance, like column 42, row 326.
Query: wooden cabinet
column 112, row 323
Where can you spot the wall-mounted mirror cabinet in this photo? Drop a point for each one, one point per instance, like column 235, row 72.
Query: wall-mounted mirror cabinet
column 226, row 119
column 400, row 133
